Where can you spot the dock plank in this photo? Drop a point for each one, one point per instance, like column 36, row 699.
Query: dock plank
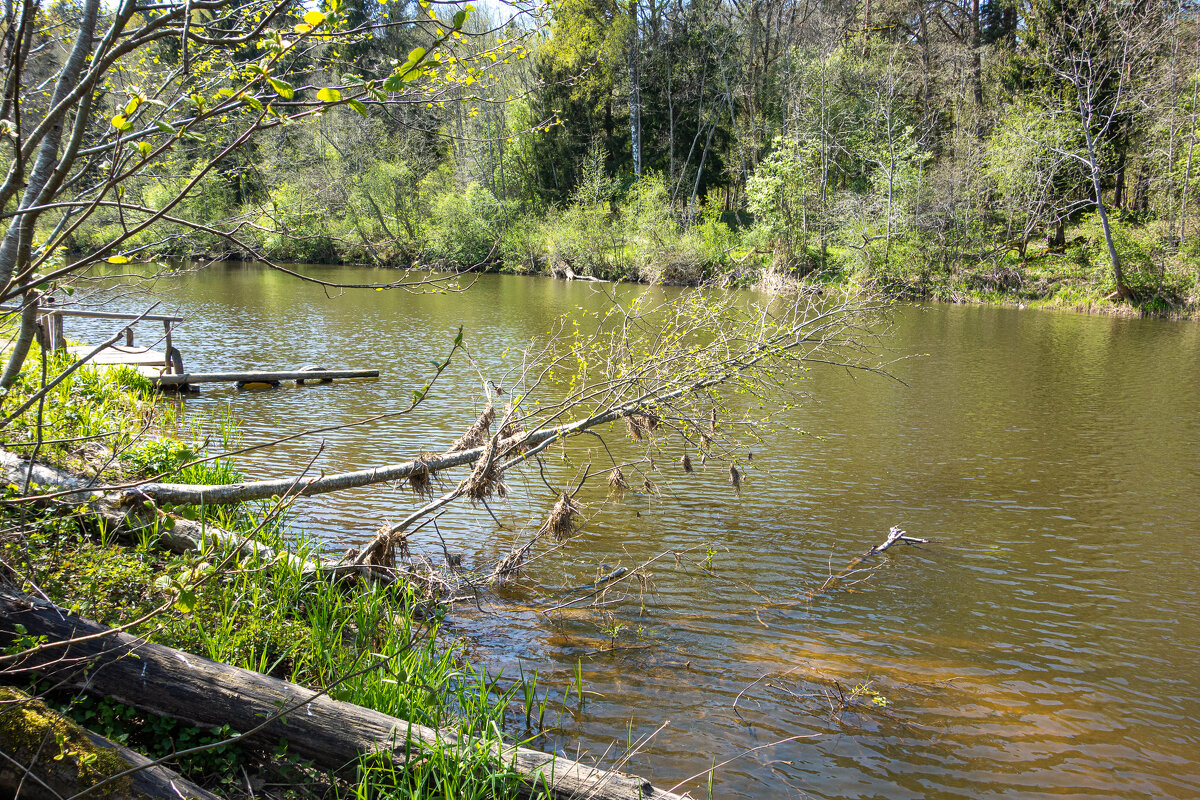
column 122, row 354
column 263, row 376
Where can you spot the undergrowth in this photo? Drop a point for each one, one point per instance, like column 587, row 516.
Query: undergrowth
column 263, row 615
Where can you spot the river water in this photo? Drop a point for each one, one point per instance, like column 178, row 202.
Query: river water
column 1046, row 643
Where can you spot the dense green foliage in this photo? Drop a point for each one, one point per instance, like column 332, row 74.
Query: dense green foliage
column 936, row 148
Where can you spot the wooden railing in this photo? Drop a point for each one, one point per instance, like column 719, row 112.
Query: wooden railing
column 50, row 320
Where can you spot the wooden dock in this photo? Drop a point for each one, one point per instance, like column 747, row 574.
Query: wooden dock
column 165, row 367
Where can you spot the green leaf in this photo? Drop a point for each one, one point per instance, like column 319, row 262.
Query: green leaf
column 328, row 95
column 253, row 103
column 145, row 148
column 132, row 106
column 121, row 123
column 185, row 602
column 459, row 19
column 314, row 18
column 416, row 55
column 165, row 128
column 282, row 88
column 392, row 84
column 436, row 364
column 458, row 339
column 118, row 259
column 357, row 106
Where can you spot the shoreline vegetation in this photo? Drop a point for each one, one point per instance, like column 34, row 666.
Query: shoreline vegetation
column 1045, row 279
column 374, row 645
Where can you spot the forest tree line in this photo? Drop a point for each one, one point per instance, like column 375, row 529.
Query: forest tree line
column 933, row 147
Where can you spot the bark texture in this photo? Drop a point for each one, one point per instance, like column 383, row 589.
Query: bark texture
column 197, row 691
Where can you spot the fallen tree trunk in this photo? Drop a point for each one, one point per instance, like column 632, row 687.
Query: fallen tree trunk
column 197, row 691
column 180, row 535
column 49, row 757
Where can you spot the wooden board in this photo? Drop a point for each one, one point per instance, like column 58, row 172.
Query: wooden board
column 122, row 354
column 265, row 376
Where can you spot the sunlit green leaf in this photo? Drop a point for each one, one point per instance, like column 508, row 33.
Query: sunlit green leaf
column 185, row 602
column 282, row 88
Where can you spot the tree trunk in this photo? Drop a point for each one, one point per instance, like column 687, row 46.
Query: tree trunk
column 635, row 94
column 15, row 247
column 1123, row 290
column 333, row 734
column 1187, row 172
column 977, row 65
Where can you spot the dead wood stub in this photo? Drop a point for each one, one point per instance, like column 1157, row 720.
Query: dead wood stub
column 58, row 759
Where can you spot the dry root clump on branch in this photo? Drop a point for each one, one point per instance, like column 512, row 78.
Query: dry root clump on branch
column 510, row 566
column 735, row 477
column 387, row 549
column 511, row 427
column 486, row 479
column 477, row 434
column 420, row 482
column 616, row 480
column 686, row 463
column 561, row 522
column 636, row 426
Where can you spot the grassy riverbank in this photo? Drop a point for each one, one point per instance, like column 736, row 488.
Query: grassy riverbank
column 266, row 616
column 641, row 242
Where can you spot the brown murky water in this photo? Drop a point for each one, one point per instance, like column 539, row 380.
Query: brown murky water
column 1048, row 644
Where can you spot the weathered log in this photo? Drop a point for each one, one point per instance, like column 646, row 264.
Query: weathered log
column 181, row 535
column 197, row 691
column 49, row 757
